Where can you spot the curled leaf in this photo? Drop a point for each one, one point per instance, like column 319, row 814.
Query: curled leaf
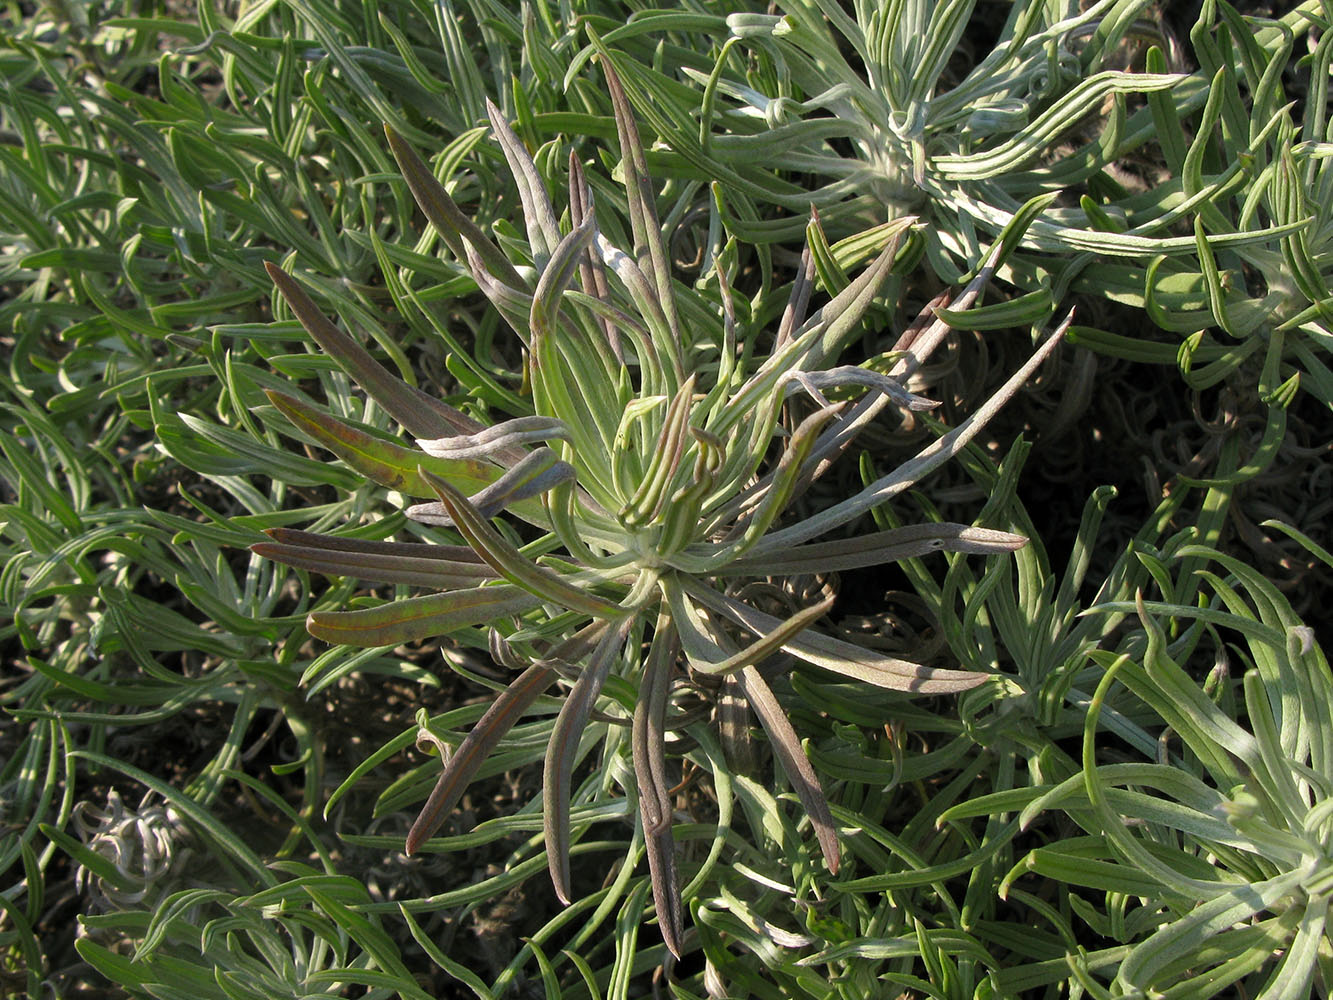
column 814, row 382
column 484, row 443
column 536, row 474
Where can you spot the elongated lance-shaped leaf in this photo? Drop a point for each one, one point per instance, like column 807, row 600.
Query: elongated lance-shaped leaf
column 557, row 275
column 592, row 275
column 648, row 745
column 491, row 728
column 664, row 346
column 841, row 657
column 872, row 550
column 926, row 461
column 615, row 320
column 562, row 753
column 652, row 492
column 787, row 748
column 513, row 303
column 642, row 209
column 727, row 360
column 512, row 564
column 692, row 626
column 421, row 414
column 540, row 471
column 504, row 712
column 383, row 461
column 458, row 231
column 538, row 212
column 507, row 433
column 844, row 320
column 420, row 617
column 345, row 543
column 387, row 562
column 793, row 315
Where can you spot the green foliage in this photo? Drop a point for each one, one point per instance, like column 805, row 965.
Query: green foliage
column 661, row 499
column 1068, row 104
column 1225, row 819
column 196, row 799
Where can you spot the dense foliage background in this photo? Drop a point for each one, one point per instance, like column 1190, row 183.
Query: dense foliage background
column 198, row 799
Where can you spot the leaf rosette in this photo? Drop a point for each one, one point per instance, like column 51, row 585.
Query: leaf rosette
column 658, row 468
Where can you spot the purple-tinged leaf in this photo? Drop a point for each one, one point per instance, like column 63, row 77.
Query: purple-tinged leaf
column 392, row 465
column 662, row 344
column 459, row 232
column 443, row 567
column 346, row 543
column 592, row 275
column 512, row 302
column 648, row 744
column 880, row 547
column 388, row 464
column 926, row 461
column 647, row 231
column 815, row 382
column 787, row 748
column 793, row 316
column 832, row 322
column 844, row 658
column 491, row 728
column 420, row 617
column 562, row 754
column 420, row 413
column 917, row 342
column 558, row 275
column 508, row 433
column 538, row 212
column 462, row 765
column 770, row 643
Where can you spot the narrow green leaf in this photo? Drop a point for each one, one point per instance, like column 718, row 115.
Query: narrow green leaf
column 420, row 617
